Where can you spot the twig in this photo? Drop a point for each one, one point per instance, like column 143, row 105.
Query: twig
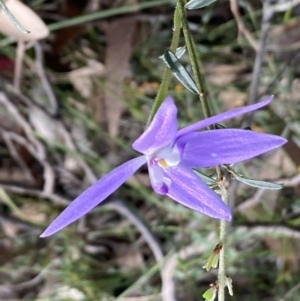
column 142, row 298
column 241, row 27
column 133, row 216
column 260, row 53
column 292, row 182
column 19, row 223
column 36, row 280
column 290, row 292
column 36, row 148
column 8, row 137
column 268, row 12
column 270, row 230
column 284, row 6
column 251, row 202
column 56, row 199
column 53, row 107
column 269, row 89
column 18, row 64
column 90, row 175
column 168, row 270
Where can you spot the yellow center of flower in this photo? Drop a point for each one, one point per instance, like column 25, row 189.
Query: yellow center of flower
column 163, row 163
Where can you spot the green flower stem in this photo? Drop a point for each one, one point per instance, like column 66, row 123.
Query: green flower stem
column 163, row 88
column 194, row 60
column 196, row 65
column 221, row 270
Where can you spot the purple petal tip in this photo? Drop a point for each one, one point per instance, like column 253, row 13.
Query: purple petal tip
column 47, row 233
column 228, row 217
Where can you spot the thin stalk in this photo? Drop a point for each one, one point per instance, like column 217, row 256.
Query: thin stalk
column 221, row 270
column 196, row 65
column 194, row 60
column 163, row 88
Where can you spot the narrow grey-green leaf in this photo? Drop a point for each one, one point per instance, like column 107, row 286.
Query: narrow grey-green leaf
column 179, row 71
column 194, row 4
column 254, row 183
column 207, row 180
column 258, row 184
column 179, row 53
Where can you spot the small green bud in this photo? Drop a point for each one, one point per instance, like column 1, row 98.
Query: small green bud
column 211, row 293
column 213, row 259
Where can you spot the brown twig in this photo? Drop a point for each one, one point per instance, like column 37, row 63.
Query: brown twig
column 56, row 199
column 269, row 230
column 168, row 270
column 53, row 107
column 68, row 140
column 18, row 64
column 34, row 281
column 241, row 27
column 124, row 208
column 34, row 145
column 260, row 54
column 284, row 6
column 287, row 296
column 8, row 137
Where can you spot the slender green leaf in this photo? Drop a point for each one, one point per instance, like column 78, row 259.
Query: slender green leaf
column 121, row 10
column 207, row 180
column 179, row 71
column 194, row 4
column 254, row 183
column 179, row 53
column 259, row 184
column 209, row 295
column 212, row 262
column 13, row 18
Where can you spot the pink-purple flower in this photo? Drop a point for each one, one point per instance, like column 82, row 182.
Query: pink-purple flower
column 171, row 156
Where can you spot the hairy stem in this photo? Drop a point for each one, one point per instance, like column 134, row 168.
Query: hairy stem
column 163, row 88
column 194, row 60
column 196, row 64
column 221, row 271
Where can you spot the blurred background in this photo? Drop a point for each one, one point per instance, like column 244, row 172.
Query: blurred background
column 72, row 101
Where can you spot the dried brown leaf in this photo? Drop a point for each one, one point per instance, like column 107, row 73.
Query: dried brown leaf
column 119, row 37
column 232, row 99
column 224, row 74
column 82, row 78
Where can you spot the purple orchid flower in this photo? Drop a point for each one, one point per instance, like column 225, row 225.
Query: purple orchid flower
column 171, row 155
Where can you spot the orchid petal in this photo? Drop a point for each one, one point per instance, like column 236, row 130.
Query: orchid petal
column 156, row 175
column 188, row 190
column 171, row 155
column 227, row 146
column 161, row 131
column 94, row 195
column 159, row 182
column 223, row 116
